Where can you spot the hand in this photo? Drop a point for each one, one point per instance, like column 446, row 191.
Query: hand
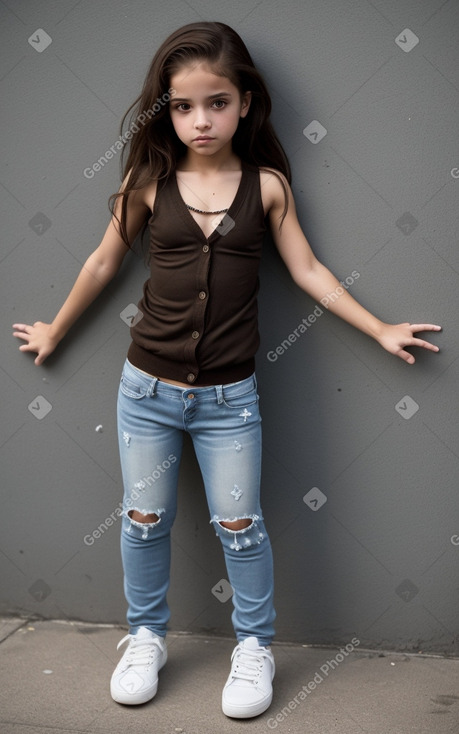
column 395, row 337
column 39, row 339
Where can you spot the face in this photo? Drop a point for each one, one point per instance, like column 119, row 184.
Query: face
column 206, row 109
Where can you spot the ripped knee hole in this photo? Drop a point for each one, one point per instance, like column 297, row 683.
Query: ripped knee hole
column 237, row 524
column 241, row 524
column 138, row 517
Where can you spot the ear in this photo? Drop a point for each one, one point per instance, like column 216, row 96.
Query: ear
column 245, row 103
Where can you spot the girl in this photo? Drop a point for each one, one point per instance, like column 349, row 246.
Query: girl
column 207, row 173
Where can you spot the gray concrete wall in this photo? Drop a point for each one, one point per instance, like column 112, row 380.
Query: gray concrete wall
column 373, row 551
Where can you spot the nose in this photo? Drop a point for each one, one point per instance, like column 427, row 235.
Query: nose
column 201, row 121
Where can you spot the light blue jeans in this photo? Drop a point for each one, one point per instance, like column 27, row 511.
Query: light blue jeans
column 225, row 426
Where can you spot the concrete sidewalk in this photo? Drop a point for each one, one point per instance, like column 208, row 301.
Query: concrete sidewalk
column 54, row 678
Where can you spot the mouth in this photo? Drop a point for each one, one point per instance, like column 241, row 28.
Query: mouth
column 202, row 139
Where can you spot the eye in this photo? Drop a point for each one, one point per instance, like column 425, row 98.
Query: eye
column 182, row 106
column 219, row 104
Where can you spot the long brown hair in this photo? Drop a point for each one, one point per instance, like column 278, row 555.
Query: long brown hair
column 154, row 148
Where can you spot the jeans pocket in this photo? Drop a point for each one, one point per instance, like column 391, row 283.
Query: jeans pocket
column 233, row 399
column 132, row 389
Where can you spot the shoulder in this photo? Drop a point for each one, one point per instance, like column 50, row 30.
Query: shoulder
column 148, row 193
column 275, row 189
column 268, row 174
column 144, row 188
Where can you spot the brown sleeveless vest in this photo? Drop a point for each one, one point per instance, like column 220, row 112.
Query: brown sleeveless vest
column 199, row 308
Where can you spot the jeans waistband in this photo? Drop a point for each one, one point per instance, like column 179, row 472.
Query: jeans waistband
column 155, row 385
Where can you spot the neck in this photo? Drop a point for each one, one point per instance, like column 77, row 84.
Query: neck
column 224, row 160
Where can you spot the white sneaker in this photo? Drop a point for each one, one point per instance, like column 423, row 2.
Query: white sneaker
column 248, row 690
column 135, row 678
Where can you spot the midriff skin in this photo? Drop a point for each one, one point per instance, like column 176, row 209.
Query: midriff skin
column 165, row 379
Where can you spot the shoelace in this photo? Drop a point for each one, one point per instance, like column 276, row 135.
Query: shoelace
column 247, row 665
column 139, row 652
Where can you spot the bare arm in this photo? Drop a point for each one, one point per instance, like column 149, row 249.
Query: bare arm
column 98, row 270
column 317, row 280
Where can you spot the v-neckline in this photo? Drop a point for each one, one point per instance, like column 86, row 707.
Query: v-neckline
column 187, row 215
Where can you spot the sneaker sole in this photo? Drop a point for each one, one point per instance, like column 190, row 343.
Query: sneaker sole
column 246, row 712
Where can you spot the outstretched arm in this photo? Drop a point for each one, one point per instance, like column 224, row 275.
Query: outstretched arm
column 98, row 270
column 317, row 280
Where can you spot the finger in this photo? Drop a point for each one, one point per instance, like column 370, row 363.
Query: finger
column 424, row 327
column 426, row 345
column 407, row 357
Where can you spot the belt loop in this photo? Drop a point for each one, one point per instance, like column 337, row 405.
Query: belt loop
column 219, row 391
column 152, row 388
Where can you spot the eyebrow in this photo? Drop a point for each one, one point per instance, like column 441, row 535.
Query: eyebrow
column 212, row 96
